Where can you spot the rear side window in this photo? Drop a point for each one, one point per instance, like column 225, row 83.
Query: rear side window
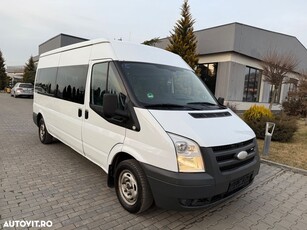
column 46, row 81
column 66, row 82
column 71, row 83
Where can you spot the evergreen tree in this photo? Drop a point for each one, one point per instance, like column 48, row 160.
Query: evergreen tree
column 3, row 75
column 29, row 71
column 183, row 40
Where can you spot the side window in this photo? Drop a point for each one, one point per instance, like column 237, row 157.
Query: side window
column 98, row 83
column 105, row 79
column 71, row 83
column 114, row 87
column 45, row 81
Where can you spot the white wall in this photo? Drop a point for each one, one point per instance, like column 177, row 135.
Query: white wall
column 230, row 80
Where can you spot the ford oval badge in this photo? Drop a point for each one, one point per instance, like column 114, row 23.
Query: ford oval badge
column 241, row 155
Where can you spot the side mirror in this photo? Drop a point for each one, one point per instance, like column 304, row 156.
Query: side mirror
column 109, row 104
column 220, row 100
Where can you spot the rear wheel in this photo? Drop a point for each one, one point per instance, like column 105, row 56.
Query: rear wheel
column 43, row 134
column 132, row 188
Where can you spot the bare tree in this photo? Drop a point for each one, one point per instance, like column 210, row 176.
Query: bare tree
column 301, row 95
column 302, row 90
column 276, row 67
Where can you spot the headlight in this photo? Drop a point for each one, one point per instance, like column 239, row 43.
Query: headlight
column 189, row 157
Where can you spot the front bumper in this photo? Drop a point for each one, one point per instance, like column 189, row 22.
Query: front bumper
column 24, row 93
column 181, row 191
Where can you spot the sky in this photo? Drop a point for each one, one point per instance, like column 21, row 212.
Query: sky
column 27, row 24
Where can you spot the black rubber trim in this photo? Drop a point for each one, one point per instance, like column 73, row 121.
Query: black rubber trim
column 172, row 189
column 35, row 119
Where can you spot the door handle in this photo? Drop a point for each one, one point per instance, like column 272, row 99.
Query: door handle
column 86, row 114
column 79, row 112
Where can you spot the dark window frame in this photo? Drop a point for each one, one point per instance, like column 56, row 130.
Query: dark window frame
column 111, row 71
column 252, row 84
column 205, row 74
column 78, row 96
column 75, row 90
column 44, row 87
column 129, row 122
column 93, row 105
column 293, row 83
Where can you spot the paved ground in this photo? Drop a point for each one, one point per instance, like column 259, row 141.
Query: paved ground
column 52, row 182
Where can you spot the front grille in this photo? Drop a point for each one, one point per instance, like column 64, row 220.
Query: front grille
column 226, row 155
column 232, row 146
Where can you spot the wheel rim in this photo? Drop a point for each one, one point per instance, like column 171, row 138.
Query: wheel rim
column 128, row 187
column 42, row 131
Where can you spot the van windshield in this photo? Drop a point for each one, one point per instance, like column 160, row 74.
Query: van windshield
column 167, row 87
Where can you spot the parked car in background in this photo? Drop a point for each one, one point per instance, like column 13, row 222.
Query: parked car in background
column 22, row 89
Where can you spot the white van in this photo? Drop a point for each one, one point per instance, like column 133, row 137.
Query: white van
column 147, row 120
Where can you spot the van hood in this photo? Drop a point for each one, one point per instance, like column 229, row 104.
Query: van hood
column 207, row 128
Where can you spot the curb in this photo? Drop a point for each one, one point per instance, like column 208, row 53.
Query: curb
column 286, row 167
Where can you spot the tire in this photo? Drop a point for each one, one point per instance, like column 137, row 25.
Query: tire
column 15, row 96
column 43, row 134
column 132, row 188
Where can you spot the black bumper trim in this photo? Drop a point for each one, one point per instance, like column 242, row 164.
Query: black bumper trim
column 184, row 191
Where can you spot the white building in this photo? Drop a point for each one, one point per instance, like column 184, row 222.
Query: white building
column 15, row 73
column 229, row 56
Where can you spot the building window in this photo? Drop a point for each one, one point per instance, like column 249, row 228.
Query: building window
column 293, row 85
column 208, row 72
column 277, row 96
column 252, row 84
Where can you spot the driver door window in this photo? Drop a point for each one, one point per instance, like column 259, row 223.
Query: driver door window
column 105, row 79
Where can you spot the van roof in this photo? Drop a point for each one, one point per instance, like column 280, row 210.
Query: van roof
column 124, row 51
column 75, row 46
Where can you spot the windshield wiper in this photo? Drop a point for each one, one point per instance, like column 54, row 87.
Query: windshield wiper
column 168, row 105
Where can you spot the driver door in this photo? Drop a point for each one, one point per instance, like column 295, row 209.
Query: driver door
column 99, row 135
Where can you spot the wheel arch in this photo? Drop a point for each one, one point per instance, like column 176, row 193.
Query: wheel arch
column 38, row 118
column 119, row 153
column 117, row 158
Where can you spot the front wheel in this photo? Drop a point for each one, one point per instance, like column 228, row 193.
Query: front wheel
column 43, row 134
column 132, row 188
